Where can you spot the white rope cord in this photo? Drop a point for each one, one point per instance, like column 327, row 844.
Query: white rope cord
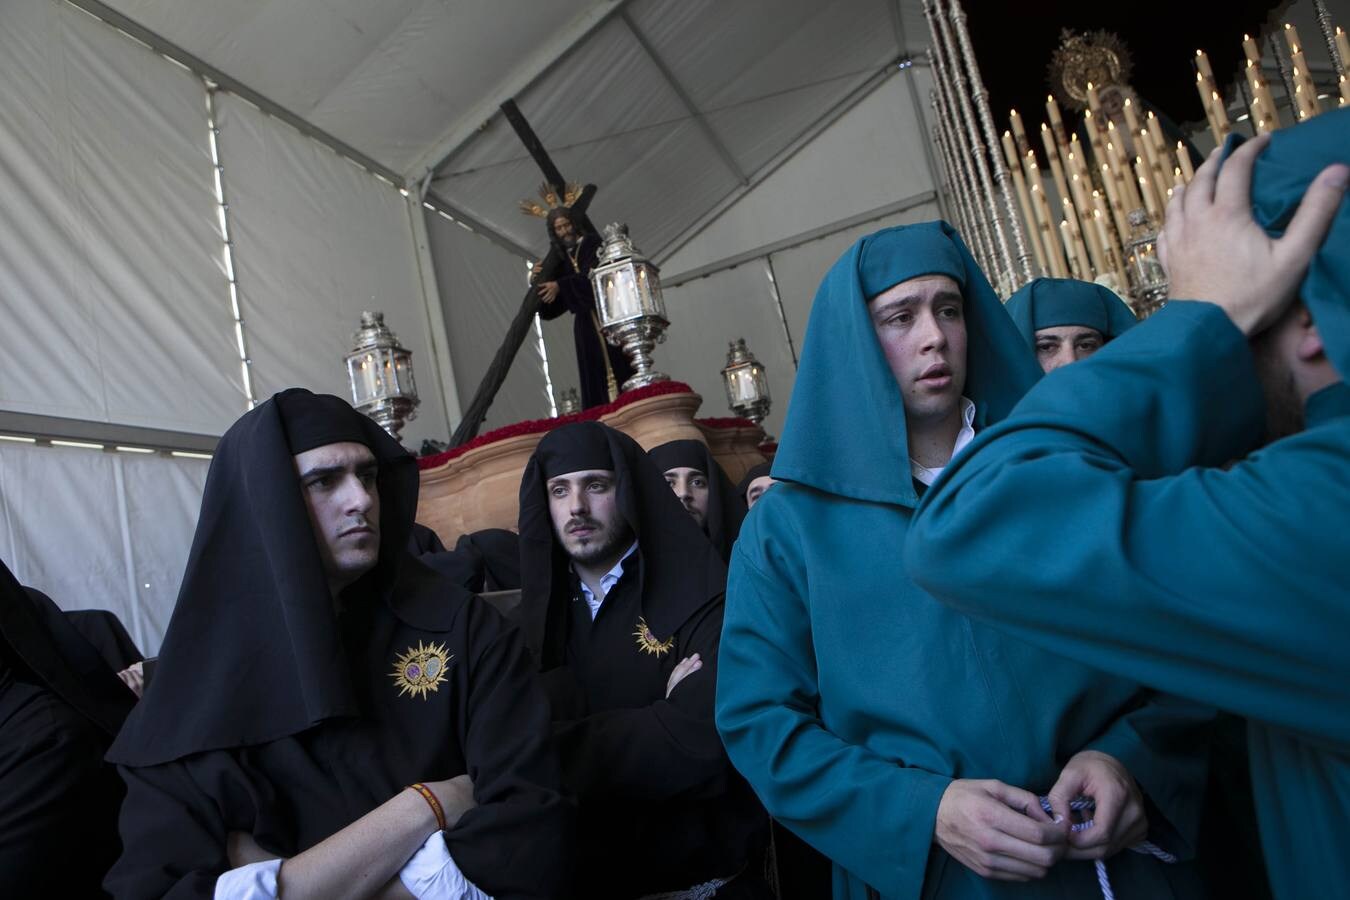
column 1086, row 806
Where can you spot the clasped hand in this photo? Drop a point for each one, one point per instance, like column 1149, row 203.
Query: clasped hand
column 1000, row 832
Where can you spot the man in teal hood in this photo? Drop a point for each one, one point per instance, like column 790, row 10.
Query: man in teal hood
column 1065, row 320
column 1224, row 583
column 902, row 740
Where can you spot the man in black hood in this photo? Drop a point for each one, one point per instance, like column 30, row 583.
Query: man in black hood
column 329, row 717
column 60, row 705
column 622, row 602
column 704, row 489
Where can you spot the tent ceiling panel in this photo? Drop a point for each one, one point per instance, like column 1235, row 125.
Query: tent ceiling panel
column 384, row 77
column 759, row 48
column 652, row 174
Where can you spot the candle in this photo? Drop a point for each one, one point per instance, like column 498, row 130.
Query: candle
column 1220, row 116
column 1080, row 263
column 1146, row 189
column 1090, row 124
column 1066, row 237
column 1131, row 120
column 1263, row 105
column 1049, row 236
column 1204, row 90
column 1152, row 165
column 1305, row 92
column 1052, row 154
column 1343, row 48
column 1054, row 250
column 1056, row 123
column 1019, row 134
column 1184, row 163
column 1129, row 189
column 1114, row 203
column 1108, row 247
column 1094, row 104
column 1082, row 204
column 1024, row 201
column 1202, row 63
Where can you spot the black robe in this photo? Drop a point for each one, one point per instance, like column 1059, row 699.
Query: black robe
column 60, row 706
column 290, row 794
column 660, row 806
column 726, row 508
column 277, row 712
column 577, row 296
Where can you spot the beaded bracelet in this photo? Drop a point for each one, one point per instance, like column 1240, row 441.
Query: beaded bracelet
column 431, row 801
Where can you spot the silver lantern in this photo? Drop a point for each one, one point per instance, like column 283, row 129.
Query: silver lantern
column 381, row 374
column 569, row 402
column 747, row 383
column 1148, row 280
column 628, row 302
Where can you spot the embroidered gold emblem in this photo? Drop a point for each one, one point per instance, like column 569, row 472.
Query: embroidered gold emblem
column 647, row 641
column 421, row 669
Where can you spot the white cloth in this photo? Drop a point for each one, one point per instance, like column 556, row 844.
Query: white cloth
column 431, row 874
column 255, row 881
column 927, row 475
column 607, row 582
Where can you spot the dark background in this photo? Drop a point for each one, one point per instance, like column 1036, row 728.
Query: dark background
column 1014, row 44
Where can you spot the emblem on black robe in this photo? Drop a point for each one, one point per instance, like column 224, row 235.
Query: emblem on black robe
column 647, row 641
column 421, row 669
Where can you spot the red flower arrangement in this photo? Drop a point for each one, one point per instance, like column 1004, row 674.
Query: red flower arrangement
column 540, row 426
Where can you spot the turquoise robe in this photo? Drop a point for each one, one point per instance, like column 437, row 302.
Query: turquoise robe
column 847, row 696
column 1231, row 586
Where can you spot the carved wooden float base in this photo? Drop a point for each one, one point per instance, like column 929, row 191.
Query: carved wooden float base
column 480, row 488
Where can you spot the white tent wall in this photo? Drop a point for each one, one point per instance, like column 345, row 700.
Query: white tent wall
column 110, row 253
column 98, row 530
column 316, row 241
column 481, row 286
column 707, row 313
column 868, row 170
column 871, row 157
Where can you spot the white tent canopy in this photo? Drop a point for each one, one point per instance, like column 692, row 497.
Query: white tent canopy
column 199, row 198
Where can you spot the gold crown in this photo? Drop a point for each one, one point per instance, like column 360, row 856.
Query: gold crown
column 1096, row 57
column 550, row 199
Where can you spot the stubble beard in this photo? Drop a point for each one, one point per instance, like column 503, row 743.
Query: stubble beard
column 603, row 543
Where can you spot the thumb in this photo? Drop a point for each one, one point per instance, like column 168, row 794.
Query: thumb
column 1315, row 213
column 1069, row 786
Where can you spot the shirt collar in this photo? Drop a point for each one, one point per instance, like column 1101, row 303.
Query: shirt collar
column 926, row 475
column 608, row 580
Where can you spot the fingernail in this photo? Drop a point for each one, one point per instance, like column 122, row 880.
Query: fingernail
column 1058, row 819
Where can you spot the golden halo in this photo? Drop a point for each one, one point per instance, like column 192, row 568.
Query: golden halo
column 1096, row 57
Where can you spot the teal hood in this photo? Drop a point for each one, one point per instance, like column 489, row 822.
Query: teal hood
column 845, row 429
column 1282, row 174
column 1051, row 302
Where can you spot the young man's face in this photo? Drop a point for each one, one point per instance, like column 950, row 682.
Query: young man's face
column 757, row 489
column 584, row 507
column 921, row 326
column 1064, row 344
column 338, row 482
column 691, row 486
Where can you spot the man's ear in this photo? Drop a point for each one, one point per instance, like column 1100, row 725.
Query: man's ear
column 1309, row 347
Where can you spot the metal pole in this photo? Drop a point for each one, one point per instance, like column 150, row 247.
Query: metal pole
column 1001, row 176
column 949, row 118
column 972, row 226
column 1003, row 256
column 1329, row 35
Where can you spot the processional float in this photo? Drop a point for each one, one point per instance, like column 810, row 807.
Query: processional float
column 1098, row 217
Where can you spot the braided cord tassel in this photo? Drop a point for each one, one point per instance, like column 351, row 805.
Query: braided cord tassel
column 1086, row 806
